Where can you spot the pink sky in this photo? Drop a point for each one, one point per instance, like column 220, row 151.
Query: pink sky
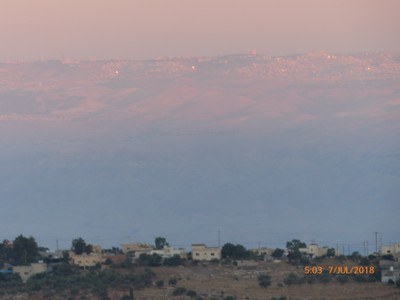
column 138, row 29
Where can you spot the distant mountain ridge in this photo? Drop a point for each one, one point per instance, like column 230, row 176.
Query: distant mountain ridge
column 61, row 90
column 272, row 148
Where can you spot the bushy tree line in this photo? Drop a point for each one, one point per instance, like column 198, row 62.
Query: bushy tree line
column 22, row 251
column 70, row 280
column 155, row 260
column 237, row 251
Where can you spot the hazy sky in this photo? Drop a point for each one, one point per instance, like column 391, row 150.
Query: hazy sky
column 137, row 29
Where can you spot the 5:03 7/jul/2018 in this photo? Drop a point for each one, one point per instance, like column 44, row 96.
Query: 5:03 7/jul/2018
column 342, row 270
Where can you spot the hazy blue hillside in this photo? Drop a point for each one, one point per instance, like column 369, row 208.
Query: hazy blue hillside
column 263, row 149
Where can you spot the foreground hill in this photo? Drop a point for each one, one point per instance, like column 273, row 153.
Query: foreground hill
column 203, row 281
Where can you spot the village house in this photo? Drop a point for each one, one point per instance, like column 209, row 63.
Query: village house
column 202, row 252
column 390, row 270
column 169, row 251
column 27, row 271
column 314, row 251
column 136, row 249
column 86, row 260
column 391, row 250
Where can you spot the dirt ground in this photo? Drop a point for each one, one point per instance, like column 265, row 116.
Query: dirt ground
column 211, row 280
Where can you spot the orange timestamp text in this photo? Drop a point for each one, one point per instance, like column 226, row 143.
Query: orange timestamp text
column 339, row 270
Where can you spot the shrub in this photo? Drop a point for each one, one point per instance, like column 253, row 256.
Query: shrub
column 264, row 280
column 292, row 278
column 153, row 260
column 342, row 278
column 160, row 283
column 363, row 278
column 195, row 262
column 172, row 281
column 179, row 291
column 324, row 278
column 191, row 293
column 310, row 279
column 175, row 260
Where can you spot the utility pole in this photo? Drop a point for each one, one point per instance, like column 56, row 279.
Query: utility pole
column 219, row 239
column 376, row 241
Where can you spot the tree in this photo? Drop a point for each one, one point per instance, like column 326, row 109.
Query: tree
column 293, row 247
column 79, row 246
column 160, row 242
column 6, row 251
column 234, row 251
column 25, row 250
column 295, row 244
column 278, row 253
column 355, row 256
column 331, row 252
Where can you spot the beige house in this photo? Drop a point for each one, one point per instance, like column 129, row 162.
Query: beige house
column 264, row 251
column 96, row 248
column 314, row 251
column 202, row 252
column 86, row 260
column 27, row 271
column 136, row 249
column 391, row 249
column 169, row 251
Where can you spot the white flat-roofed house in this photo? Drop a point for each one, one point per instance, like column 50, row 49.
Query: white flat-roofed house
column 313, row 250
column 390, row 270
column 169, row 251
